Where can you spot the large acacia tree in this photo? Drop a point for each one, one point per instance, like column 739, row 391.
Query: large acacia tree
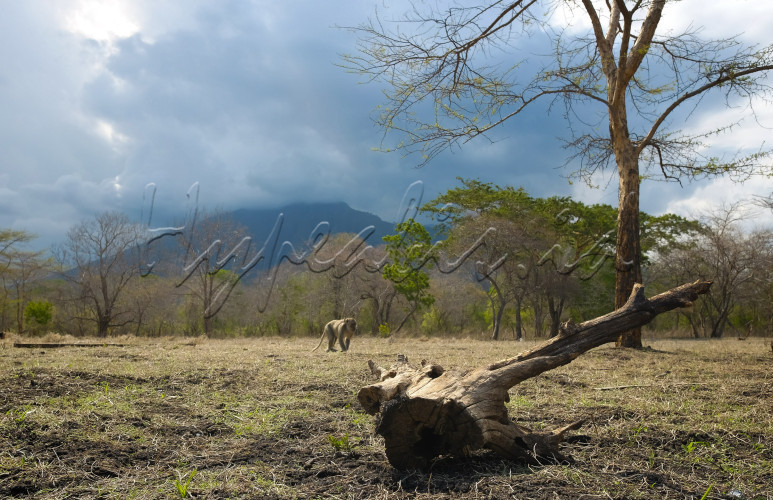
column 457, row 72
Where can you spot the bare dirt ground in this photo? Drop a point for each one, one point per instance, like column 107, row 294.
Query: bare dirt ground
column 266, row 418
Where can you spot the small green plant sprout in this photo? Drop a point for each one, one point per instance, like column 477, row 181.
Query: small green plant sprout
column 692, row 446
column 18, row 415
column 706, row 495
column 341, row 444
column 635, row 434
column 182, row 485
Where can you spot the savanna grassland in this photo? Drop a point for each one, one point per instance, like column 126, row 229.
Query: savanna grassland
column 267, row 418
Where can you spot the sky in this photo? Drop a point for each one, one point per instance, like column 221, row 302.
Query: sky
column 106, row 103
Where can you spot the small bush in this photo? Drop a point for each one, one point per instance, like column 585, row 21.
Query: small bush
column 38, row 314
column 384, row 330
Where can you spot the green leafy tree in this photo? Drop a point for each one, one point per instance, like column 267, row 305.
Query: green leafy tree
column 468, row 212
column 582, row 247
column 411, row 255
column 663, row 233
column 550, row 244
column 514, row 280
column 452, row 73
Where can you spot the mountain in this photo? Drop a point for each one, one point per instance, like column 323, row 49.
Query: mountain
column 300, row 219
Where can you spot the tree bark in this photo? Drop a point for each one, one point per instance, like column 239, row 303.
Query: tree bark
column 518, row 320
column 498, row 320
column 427, row 411
column 539, row 317
column 555, row 309
column 628, row 245
column 628, row 251
column 405, row 318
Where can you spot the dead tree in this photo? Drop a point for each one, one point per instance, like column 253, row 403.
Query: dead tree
column 427, row 412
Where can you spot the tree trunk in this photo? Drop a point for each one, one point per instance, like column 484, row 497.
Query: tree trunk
column 498, row 305
column 103, row 323
column 498, row 320
column 375, row 313
column 719, row 327
column 628, row 248
column 386, row 310
column 693, row 326
column 19, row 313
column 555, row 311
column 338, row 310
column 539, row 317
column 405, row 319
column 427, row 412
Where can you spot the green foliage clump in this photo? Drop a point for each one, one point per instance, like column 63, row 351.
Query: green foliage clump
column 411, row 254
column 432, row 321
column 384, row 330
column 39, row 313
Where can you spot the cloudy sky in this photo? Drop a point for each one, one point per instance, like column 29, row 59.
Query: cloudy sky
column 101, row 98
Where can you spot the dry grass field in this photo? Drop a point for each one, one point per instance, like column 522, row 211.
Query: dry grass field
column 266, row 418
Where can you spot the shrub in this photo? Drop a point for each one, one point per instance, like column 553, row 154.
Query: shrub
column 384, row 330
column 38, row 314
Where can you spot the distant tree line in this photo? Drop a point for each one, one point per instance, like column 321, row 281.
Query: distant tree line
column 498, row 264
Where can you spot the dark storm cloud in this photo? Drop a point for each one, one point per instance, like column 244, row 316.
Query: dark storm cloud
column 262, row 116
column 255, row 118
column 243, row 98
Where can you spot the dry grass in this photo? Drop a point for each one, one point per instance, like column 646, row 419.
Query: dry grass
column 269, row 419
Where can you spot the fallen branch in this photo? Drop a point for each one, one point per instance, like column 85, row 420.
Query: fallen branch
column 50, row 345
column 426, row 412
column 616, row 387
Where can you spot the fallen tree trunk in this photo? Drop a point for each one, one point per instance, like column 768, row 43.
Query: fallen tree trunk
column 55, row 345
column 427, row 412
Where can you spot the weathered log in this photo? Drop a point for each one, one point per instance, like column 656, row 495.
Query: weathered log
column 427, row 411
column 56, row 345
